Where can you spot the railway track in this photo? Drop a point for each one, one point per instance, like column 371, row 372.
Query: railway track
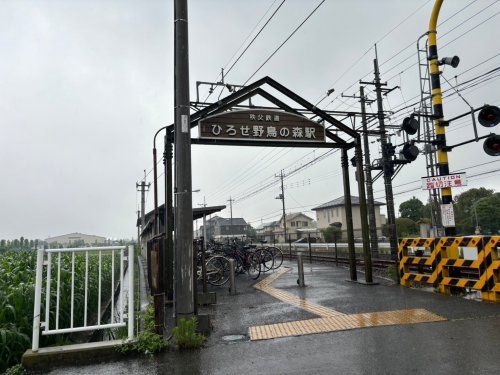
column 376, row 263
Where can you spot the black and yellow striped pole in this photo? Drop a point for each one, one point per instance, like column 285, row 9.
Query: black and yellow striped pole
column 437, row 105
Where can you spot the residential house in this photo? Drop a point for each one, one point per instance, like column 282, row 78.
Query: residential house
column 219, row 228
column 333, row 212
column 298, row 225
column 76, row 239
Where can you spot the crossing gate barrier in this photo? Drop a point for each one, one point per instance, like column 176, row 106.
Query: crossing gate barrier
column 450, row 263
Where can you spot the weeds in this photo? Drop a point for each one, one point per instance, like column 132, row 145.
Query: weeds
column 185, row 335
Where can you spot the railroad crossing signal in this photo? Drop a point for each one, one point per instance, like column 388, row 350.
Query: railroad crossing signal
column 410, row 125
column 492, row 145
column 489, row 116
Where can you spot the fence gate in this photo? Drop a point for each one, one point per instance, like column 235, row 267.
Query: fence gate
column 79, row 287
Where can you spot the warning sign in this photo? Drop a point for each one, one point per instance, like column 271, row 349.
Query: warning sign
column 439, row 182
column 447, row 215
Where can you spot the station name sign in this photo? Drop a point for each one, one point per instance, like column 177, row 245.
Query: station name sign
column 439, row 182
column 261, row 125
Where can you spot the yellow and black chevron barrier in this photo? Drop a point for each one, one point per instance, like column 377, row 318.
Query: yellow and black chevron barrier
column 451, row 263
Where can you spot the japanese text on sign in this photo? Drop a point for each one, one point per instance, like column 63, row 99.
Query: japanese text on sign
column 439, row 182
column 261, row 125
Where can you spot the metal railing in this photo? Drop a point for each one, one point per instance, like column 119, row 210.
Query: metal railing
column 46, row 261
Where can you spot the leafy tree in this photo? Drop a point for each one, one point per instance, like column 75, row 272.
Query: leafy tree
column 406, row 227
column 331, row 233
column 251, row 232
column 488, row 214
column 464, row 209
column 412, row 209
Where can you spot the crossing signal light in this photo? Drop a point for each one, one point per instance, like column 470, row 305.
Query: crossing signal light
column 390, row 150
column 410, row 125
column 410, row 152
column 492, row 145
column 489, row 116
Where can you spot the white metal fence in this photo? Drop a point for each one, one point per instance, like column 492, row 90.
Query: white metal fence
column 49, row 260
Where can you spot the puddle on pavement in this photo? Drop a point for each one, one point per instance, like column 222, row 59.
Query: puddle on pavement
column 232, row 338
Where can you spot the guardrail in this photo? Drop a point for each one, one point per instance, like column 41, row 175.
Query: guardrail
column 448, row 263
column 45, row 265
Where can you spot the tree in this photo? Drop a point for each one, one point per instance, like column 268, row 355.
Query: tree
column 331, row 233
column 488, row 213
column 412, row 209
column 406, row 227
column 251, row 232
column 464, row 209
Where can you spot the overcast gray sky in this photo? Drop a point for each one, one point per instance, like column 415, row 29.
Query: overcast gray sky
column 84, row 85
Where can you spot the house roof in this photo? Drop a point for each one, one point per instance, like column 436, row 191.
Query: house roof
column 227, row 221
column 292, row 216
column 341, row 202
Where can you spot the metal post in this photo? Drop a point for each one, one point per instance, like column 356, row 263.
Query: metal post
column 310, row 249
column 196, row 245
column 131, row 310
column 437, row 106
column 184, row 297
column 300, row 266
column 336, row 250
column 348, row 216
column 368, row 175
column 38, row 297
column 204, row 266
column 290, row 246
column 387, row 170
column 169, row 222
column 232, row 282
column 363, row 212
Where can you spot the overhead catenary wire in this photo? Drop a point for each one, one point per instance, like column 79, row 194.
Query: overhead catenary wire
column 284, row 42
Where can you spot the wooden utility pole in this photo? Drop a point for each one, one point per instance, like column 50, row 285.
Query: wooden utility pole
column 184, row 268
column 282, row 197
column 143, row 188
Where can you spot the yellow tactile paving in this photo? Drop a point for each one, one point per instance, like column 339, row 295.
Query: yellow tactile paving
column 331, row 320
column 265, row 286
column 346, row 322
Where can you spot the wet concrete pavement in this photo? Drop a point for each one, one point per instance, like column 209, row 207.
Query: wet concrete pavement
column 467, row 343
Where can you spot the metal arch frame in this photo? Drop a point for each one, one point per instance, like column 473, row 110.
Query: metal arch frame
column 255, row 89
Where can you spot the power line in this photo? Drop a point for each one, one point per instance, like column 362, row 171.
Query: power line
column 255, row 37
column 283, row 43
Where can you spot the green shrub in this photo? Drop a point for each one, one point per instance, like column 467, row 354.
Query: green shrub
column 146, row 343
column 185, row 335
column 392, row 273
column 16, row 370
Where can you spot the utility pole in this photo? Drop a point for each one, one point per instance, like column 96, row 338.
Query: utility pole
column 368, row 174
column 387, row 164
column 282, row 197
column 138, row 230
column 143, row 188
column 183, row 291
column 204, row 224
column 367, row 170
column 231, row 200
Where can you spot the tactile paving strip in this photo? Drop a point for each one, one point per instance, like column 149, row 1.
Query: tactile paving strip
column 341, row 323
column 265, row 286
column 331, row 320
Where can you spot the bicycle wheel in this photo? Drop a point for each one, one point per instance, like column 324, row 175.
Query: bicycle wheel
column 254, row 266
column 217, row 270
column 266, row 259
column 278, row 257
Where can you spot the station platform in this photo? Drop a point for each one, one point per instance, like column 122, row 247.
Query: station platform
column 332, row 326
